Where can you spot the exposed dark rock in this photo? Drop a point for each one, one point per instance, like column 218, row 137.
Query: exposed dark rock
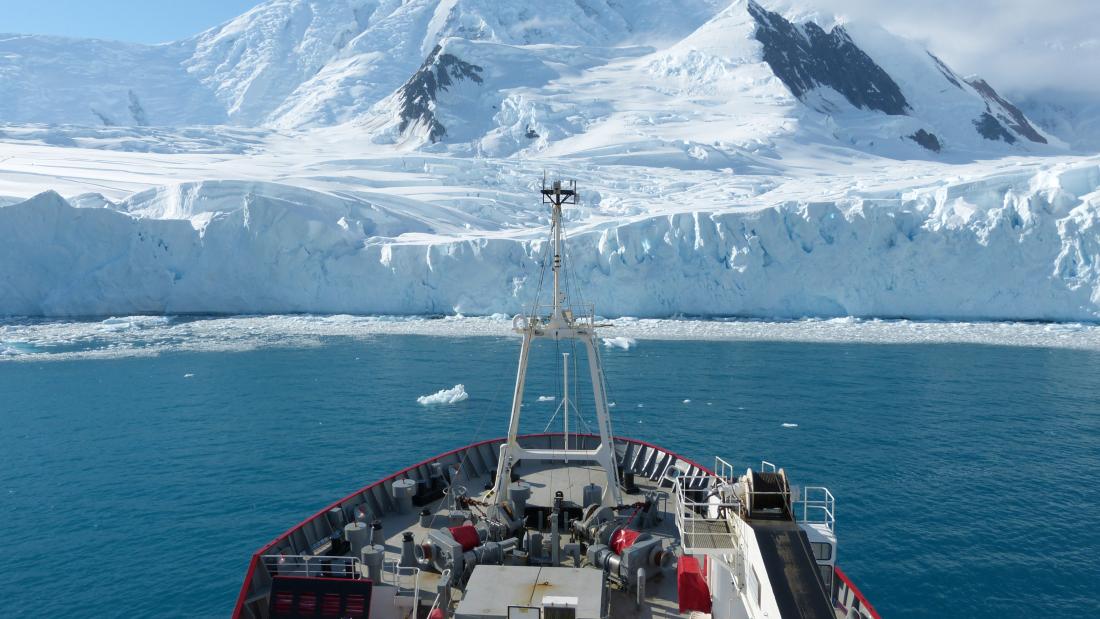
column 993, row 130
column 927, row 140
column 1012, row 117
column 947, row 72
column 136, row 111
column 103, row 118
column 417, row 97
column 531, row 134
column 808, row 57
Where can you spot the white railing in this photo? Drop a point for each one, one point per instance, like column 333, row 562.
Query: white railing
column 583, row 314
column 724, row 470
column 314, row 566
column 698, row 517
column 818, row 506
column 766, row 467
column 400, row 577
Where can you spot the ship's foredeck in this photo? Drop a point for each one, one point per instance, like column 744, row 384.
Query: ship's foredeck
column 318, row 546
column 545, row 480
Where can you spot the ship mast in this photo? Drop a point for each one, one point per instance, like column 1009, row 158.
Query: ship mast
column 557, row 197
column 566, row 321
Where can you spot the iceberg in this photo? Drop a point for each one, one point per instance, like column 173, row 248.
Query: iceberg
column 622, row 342
column 453, row 395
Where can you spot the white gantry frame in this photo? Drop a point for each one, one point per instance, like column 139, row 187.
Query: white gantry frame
column 562, row 323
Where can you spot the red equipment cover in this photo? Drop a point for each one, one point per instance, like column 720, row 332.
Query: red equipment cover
column 467, row 536
column 691, row 587
column 623, row 539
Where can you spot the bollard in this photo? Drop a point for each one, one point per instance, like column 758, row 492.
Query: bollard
column 403, row 491
column 358, row 535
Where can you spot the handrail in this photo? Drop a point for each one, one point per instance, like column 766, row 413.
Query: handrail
column 314, row 565
column 583, row 314
column 724, row 470
column 822, row 502
column 687, row 514
column 398, row 572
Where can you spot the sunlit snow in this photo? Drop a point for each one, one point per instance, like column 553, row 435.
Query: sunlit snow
column 262, row 167
column 453, row 395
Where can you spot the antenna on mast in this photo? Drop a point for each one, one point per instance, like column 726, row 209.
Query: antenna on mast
column 557, row 195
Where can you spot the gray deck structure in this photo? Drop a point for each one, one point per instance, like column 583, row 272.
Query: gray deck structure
column 653, row 470
column 652, row 467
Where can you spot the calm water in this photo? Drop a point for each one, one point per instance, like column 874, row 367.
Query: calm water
column 966, row 476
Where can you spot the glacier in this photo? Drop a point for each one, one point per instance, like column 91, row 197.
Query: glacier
column 1018, row 244
column 377, row 157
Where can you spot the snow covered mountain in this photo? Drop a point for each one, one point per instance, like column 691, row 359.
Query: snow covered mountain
column 296, row 64
column 380, row 155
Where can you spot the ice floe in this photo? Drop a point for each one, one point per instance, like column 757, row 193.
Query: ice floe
column 453, row 395
column 44, row 339
column 623, row 342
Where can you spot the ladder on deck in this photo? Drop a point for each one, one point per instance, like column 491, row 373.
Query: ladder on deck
column 707, row 511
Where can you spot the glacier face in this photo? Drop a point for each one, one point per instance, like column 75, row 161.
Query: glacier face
column 382, row 157
column 1021, row 243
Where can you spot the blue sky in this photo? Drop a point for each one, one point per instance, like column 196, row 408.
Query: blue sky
column 138, row 21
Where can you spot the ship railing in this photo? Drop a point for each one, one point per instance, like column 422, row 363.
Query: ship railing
column 706, row 526
column 766, row 467
column 724, row 470
column 818, row 506
column 314, row 566
column 583, row 314
column 405, row 581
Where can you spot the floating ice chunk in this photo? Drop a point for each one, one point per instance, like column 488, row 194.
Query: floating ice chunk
column 790, row 425
column 135, row 322
column 547, row 398
column 687, row 401
column 610, row 404
column 444, row 396
column 625, row 343
column 188, row 375
column 641, row 406
column 11, row 349
column 62, row 339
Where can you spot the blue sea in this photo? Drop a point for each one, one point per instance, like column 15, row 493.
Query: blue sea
column 967, row 476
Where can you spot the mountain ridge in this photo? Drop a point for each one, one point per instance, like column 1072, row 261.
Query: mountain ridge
column 296, row 65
